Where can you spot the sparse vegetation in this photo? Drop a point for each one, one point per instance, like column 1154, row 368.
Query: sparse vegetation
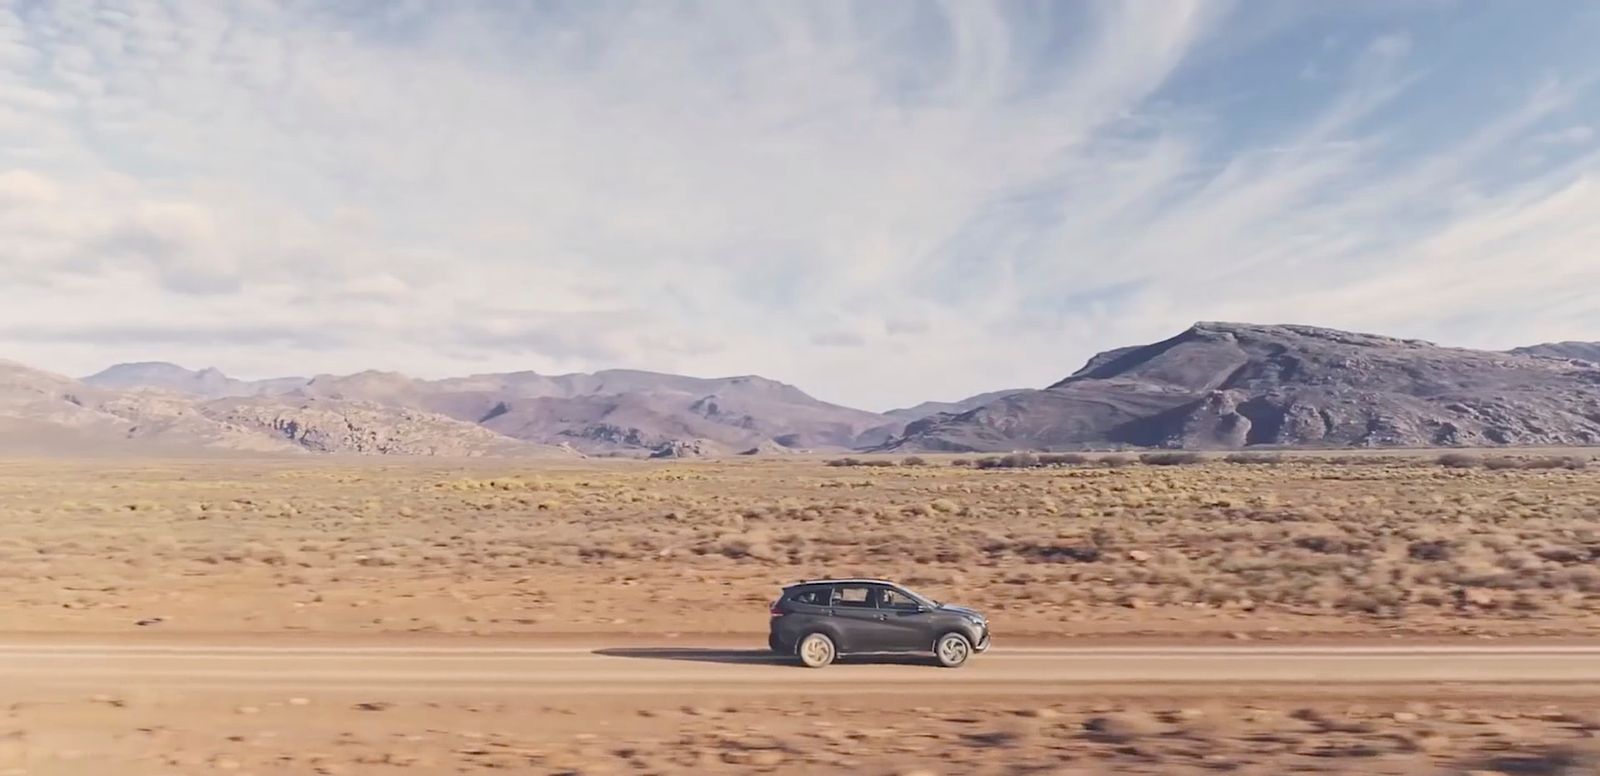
column 1254, row 459
column 479, row 547
column 1063, row 459
column 1458, row 461
column 1171, row 459
column 913, row 461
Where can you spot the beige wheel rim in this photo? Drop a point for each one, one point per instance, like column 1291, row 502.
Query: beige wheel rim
column 953, row 650
column 817, row 651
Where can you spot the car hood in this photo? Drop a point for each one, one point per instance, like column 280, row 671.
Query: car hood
column 961, row 610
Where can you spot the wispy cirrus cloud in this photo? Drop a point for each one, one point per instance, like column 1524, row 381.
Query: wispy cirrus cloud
column 882, row 202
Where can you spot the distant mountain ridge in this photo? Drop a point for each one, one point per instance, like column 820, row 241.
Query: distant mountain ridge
column 1215, row 385
column 1227, row 385
column 208, row 383
column 616, row 411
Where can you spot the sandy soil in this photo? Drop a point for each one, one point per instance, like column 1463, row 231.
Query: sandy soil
column 187, row 708
column 699, row 548
column 291, row 555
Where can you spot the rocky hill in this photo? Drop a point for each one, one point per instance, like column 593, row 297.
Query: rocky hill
column 1221, row 385
column 365, row 428
column 1581, row 351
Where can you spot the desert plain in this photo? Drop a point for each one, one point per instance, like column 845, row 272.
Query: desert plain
column 346, row 615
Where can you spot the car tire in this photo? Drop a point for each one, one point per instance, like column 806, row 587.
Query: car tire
column 952, row 650
column 816, row 651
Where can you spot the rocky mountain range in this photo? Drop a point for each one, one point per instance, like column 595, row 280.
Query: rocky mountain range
column 1222, row 385
column 1216, row 385
column 610, row 412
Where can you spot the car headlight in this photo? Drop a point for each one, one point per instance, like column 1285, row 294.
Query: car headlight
column 976, row 620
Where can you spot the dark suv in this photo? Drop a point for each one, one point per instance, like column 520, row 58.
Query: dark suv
column 819, row 620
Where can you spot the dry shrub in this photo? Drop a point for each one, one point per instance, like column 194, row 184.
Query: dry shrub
column 1019, row 461
column 741, row 547
column 1437, row 549
column 1010, row 461
column 1120, row 727
column 960, row 462
column 1063, row 459
column 1458, row 461
column 1171, row 459
column 1115, row 461
column 913, row 461
column 1331, row 545
column 1574, row 759
column 841, row 462
column 1570, row 462
column 877, row 463
column 1254, row 459
column 1502, row 464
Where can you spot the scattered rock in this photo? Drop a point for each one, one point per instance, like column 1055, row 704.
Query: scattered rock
column 767, row 758
column 148, row 621
column 1120, row 727
column 1429, row 741
column 1139, row 556
column 299, row 701
column 372, row 706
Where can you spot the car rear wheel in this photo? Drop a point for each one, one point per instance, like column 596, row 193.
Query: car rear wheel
column 816, row 651
column 952, row 650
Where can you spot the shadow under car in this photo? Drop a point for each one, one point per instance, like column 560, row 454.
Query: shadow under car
column 754, row 656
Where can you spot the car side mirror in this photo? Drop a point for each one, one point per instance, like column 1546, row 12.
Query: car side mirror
column 922, row 609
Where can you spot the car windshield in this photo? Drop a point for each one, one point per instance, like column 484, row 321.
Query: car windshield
column 919, row 598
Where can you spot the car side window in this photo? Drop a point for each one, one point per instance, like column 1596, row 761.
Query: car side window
column 853, row 596
column 816, row 596
column 894, row 599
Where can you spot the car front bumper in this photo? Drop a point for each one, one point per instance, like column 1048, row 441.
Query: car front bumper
column 983, row 642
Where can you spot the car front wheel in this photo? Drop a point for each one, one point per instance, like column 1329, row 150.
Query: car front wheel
column 952, row 650
column 816, row 651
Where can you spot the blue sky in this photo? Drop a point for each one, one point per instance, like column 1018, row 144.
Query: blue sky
column 881, row 202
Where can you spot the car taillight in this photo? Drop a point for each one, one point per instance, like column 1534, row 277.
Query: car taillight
column 774, row 610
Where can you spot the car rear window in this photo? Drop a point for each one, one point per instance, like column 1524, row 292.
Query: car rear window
column 814, row 596
column 859, row 596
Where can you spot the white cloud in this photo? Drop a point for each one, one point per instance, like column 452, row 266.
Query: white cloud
column 879, row 202
column 1575, row 135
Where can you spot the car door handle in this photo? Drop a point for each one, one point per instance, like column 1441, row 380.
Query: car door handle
column 883, row 616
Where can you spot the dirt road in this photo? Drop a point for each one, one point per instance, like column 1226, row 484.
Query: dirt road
column 284, row 706
column 677, row 670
